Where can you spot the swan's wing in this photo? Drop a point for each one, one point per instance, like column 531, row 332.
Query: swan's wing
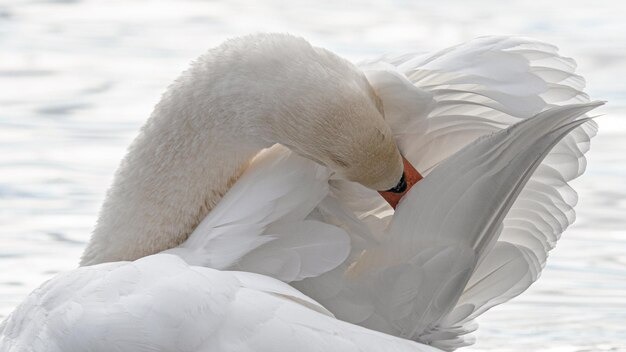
column 498, row 80
column 469, row 210
column 437, row 104
column 160, row 303
column 263, row 223
column 409, row 284
column 485, row 85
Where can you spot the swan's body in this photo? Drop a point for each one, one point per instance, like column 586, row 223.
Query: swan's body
column 474, row 233
column 188, row 309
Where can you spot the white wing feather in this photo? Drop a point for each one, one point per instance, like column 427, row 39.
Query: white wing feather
column 261, row 224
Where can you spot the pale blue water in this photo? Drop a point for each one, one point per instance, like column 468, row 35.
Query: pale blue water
column 78, row 78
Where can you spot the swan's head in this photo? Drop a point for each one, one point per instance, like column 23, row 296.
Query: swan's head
column 353, row 140
column 332, row 115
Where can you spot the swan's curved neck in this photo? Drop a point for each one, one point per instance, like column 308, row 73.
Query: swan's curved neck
column 237, row 99
column 185, row 158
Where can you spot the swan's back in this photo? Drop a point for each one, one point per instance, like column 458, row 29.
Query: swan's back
column 160, row 303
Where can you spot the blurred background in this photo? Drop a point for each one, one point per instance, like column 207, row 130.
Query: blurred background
column 79, row 77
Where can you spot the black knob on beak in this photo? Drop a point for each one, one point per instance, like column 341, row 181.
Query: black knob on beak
column 400, row 187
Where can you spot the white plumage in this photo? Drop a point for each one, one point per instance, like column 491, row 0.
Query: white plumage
column 159, row 303
column 498, row 127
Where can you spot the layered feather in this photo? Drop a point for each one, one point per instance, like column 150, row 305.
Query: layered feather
column 261, row 224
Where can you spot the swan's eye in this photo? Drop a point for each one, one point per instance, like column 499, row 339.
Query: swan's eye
column 400, row 187
column 339, row 161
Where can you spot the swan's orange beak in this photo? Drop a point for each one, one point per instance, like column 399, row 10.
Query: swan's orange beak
column 411, row 177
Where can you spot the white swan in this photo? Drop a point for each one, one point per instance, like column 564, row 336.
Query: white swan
column 474, row 233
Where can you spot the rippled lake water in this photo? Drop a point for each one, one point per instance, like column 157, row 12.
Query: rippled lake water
column 79, row 77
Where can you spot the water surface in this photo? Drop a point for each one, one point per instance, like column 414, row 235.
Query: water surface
column 79, row 77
